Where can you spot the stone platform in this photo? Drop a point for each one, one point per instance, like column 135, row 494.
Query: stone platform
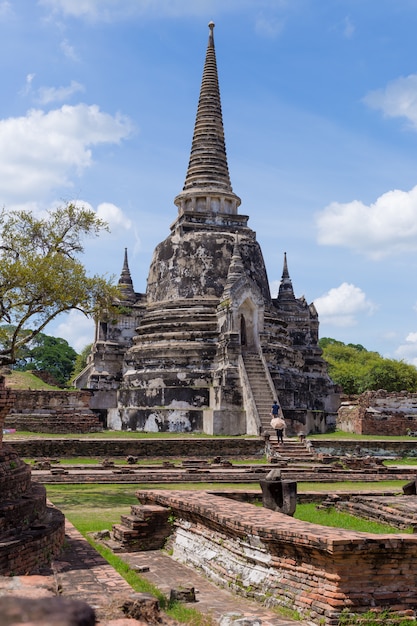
column 81, row 573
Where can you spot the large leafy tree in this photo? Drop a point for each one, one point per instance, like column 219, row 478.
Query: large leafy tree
column 81, row 361
column 357, row 370
column 51, row 354
column 41, row 275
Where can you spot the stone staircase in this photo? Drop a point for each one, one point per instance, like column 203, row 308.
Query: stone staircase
column 399, row 511
column 292, row 449
column 261, row 390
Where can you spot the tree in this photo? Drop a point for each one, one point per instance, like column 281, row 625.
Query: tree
column 81, row 361
column 357, row 370
column 41, row 276
column 51, row 354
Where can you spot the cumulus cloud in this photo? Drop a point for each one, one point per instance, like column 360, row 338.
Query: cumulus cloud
column 42, row 151
column 75, row 328
column 46, row 95
column 341, row 305
column 397, row 99
column 114, row 216
column 408, row 350
column 387, row 226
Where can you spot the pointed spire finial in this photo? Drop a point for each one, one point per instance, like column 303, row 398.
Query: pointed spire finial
column 285, row 291
column 125, row 281
column 285, row 273
column 207, row 184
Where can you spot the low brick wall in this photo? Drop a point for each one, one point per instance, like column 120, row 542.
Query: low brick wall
column 53, row 412
column 278, row 560
column 142, row 448
column 376, row 448
column 34, row 546
column 378, row 413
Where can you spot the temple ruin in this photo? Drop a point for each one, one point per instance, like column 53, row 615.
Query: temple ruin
column 207, row 348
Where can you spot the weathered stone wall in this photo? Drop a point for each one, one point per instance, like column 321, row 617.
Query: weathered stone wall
column 353, row 447
column 202, row 448
column 53, row 412
column 378, row 413
column 282, row 561
column 142, row 448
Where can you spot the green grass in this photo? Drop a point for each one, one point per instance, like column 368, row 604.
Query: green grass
column 374, row 618
column 26, row 380
column 91, row 508
column 337, row 519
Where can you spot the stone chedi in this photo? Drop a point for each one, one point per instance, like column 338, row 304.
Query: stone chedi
column 211, row 349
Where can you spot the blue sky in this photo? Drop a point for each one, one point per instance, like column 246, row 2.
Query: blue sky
column 320, row 112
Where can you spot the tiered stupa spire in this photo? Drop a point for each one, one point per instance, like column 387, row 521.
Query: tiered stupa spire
column 285, row 291
column 207, row 186
column 125, row 281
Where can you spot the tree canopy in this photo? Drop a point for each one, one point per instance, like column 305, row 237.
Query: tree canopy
column 357, row 370
column 41, row 276
column 46, row 353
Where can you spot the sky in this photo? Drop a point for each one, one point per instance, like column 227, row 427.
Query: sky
column 319, row 102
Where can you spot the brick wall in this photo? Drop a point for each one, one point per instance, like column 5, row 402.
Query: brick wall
column 277, row 560
column 378, row 413
column 142, row 448
column 53, row 412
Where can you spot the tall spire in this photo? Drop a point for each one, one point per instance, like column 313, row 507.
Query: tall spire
column 125, row 281
column 286, row 291
column 207, row 186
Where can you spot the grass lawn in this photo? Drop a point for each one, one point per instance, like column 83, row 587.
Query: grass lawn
column 92, row 507
column 337, row 519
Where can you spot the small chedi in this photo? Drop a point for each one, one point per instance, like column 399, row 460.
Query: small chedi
column 31, row 532
column 207, row 348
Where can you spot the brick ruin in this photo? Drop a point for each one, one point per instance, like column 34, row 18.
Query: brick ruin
column 207, row 348
column 379, row 413
column 31, row 532
column 277, row 560
column 53, row 412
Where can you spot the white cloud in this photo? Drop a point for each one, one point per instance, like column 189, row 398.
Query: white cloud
column 5, row 9
column 408, row 351
column 348, row 28
column 116, row 219
column 397, row 99
column 68, row 50
column 269, row 27
column 114, row 216
column 341, row 305
column 387, row 226
column 58, row 94
column 28, row 84
column 105, row 10
column 42, row 151
column 76, row 328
